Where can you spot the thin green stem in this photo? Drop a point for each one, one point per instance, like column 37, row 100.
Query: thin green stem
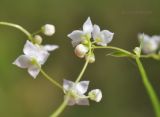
column 61, row 107
column 152, row 94
column 51, row 79
column 18, row 27
column 82, row 71
column 114, row 48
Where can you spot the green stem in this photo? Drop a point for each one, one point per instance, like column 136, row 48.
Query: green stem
column 82, row 72
column 51, row 79
column 114, row 48
column 152, row 94
column 61, row 108
column 18, row 27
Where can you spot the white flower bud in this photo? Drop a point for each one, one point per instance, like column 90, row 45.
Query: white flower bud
column 95, row 95
column 81, row 50
column 48, row 29
column 38, row 39
column 91, row 58
column 137, row 51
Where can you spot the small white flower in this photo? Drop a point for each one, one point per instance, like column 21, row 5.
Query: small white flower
column 77, row 91
column 81, row 50
column 95, row 95
column 102, row 37
column 77, row 36
column 149, row 43
column 34, row 56
column 48, row 29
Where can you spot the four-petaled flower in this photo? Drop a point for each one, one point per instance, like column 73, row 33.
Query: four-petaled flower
column 34, row 56
column 149, row 44
column 77, row 91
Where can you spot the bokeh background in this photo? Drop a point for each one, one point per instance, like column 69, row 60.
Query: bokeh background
column 123, row 92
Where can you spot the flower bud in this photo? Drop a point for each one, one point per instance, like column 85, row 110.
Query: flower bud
column 95, row 95
column 38, row 39
column 81, row 50
column 91, row 58
column 137, row 51
column 48, row 29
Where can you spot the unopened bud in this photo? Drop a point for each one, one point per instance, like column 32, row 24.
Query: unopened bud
column 48, row 29
column 137, row 51
column 38, row 39
column 95, row 95
column 91, row 58
column 81, row 50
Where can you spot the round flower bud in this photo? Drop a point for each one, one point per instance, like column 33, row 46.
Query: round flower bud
column 38, row 39
column 95, row 95
column 81, row 50
column 91, row 58
column 48, row 29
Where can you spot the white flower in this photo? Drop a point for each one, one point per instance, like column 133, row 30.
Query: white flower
column 95, row 95
column 149, row 43
column 34, row 56
column 102, row 37
column 81, row 50
column 48, row 29
column 77, row 36
column 77, row 91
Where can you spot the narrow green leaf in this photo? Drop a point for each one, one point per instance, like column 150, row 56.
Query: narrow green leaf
column 118, row 54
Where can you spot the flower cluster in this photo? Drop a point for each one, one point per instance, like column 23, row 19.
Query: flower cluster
column 149, row 44
column 84, row 40
column 35, row 54
column 77, row 93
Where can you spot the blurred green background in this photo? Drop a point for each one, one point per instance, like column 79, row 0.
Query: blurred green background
column 123, row 92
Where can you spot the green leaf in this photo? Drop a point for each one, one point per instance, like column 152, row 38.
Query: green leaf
column 118, row 54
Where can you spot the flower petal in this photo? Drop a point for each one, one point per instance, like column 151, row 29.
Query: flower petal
column 96, row 31
column 33, row 71
column 82, row 87
column 67, row 85
column 87, row 26
column 82, row 101
column 76, row 37
column 71, row 101
column 22, row 61
column 108, row 36
column 50, row 47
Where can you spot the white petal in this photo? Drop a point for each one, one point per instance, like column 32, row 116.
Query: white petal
column 107, row 35
column 22, row 61
column 82, row 87
column 87, row 26
column 29, row 48
column 96, row 31
column 67, row 85
column 33, row 71
column 95, row 95
column 71, row 101
column 50, row 47
column 76, row 37
column 82, row 101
